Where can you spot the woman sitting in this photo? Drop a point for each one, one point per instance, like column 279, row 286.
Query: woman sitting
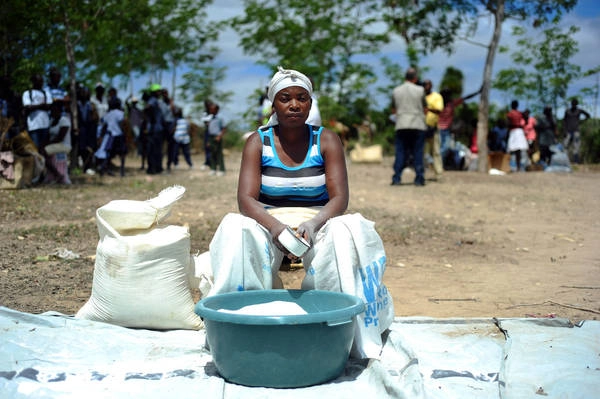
column 288, row 165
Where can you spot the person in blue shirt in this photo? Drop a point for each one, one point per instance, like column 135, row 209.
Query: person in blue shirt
column 498, row 136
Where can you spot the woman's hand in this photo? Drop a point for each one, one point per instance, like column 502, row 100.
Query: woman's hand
column 308, row 230
column 275, row 231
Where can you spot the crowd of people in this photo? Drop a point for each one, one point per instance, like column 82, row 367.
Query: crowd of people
column 155, row 126
column 534, row 140
column 106, row 128
column 423, row 122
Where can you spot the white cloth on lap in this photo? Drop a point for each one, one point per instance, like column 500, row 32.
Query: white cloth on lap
column 242, row 256
column 347, row 256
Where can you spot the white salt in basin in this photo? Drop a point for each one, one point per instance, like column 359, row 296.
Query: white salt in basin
column 274, row 308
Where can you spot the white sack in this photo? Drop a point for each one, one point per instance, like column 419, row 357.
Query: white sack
column 369, row 154
column 141, row 275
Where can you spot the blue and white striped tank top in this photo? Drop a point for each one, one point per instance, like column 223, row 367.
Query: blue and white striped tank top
column 302, row 185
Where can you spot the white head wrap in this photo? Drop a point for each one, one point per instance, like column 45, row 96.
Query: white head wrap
column 285, row 78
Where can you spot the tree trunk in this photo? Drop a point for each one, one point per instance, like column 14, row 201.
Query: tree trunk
column 174, row 81
column 484, row 99
column 70, row 52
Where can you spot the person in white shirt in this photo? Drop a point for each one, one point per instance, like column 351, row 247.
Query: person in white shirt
column 36, row 104
column 115, row 143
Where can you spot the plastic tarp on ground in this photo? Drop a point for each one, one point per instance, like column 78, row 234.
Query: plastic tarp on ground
column 55, row 356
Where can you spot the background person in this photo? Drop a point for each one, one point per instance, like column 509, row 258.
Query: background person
column 59, row 145
column 113, row 128
column 206, row 117
column 435, row 105
column 546, row 133
column 446, row 117
column 87, row 130
column 571, row 125
column 517, row 144
column 409, row 107
column 36, row 104
column 137, row 123
column 10, row 106
column 530, row 133
column 100, row 104
column 181, row 137
column 155, row 138
column 57, row 92
column 216, row 131
column 498, row 136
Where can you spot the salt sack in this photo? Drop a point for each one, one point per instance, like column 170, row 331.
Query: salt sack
column 142, row 269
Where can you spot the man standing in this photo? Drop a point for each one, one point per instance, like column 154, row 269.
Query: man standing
column 137, row 123
column 435, row 105
column 156, row 135
column 216, row 130
column 36, row 104
column 571, row 125
column 99, row 107
column 409, row 108
column 56, row 91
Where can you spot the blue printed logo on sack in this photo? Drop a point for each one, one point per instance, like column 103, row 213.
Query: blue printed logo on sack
column 376, row 294
column 267, row 251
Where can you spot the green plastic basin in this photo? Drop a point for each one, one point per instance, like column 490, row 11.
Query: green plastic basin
column 280, row 351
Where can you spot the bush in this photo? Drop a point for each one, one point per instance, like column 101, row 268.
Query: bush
column 590, row 141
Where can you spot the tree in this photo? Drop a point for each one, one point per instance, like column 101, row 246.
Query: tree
column 322, row 38
column 453, row 80
column 103, row 38
column 542, row 72
column 439, row 23
column 424, row 25
column 537, row 12
column 199, row 84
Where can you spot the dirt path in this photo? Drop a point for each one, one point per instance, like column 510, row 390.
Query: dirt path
column 472, row 245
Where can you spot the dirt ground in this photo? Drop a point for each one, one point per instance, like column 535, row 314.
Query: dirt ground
column 471, row 245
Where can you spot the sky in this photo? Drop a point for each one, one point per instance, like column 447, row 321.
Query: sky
column 244, row 76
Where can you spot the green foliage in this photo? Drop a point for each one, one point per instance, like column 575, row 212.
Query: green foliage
column 233, row 138
column 102, row 39
column 322, row 38
column 330, row 108
column 386, row 132
column 542, row 72
column 453, row 80
column 395, row 75
column 426, row 25
column 590, row 141
column 464, row 124
column 200, row 83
